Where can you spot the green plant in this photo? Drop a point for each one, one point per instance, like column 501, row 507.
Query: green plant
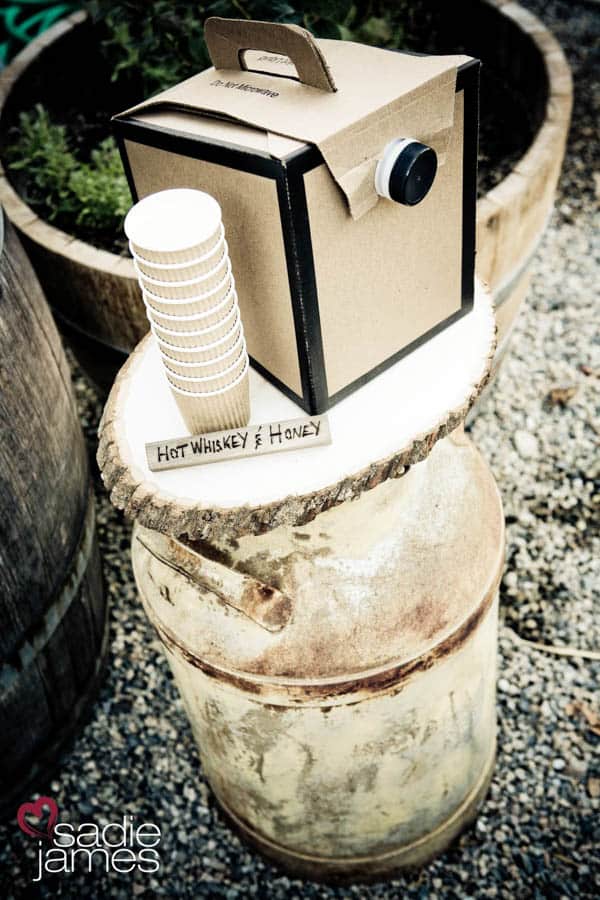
column 91, row 194
column 150, row 45
column 156, row 43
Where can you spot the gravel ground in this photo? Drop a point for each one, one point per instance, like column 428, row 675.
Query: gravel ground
column 539, row 831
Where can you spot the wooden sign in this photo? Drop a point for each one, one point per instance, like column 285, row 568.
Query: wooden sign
column 252, row 440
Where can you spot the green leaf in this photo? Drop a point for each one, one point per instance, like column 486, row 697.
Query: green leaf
column 377, row 31
column 63, row 188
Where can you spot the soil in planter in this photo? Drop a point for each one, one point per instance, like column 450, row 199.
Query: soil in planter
column 72, row 81
column 514, row 83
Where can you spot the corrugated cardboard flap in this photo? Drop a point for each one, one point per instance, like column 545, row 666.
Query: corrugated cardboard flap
column 373, row 97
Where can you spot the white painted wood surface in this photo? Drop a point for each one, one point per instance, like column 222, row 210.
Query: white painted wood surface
column 408, row 400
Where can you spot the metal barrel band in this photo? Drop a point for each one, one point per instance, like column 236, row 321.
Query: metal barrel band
column 55, row 613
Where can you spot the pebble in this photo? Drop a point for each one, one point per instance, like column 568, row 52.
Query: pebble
column 593, row 787
column 511, row 580
column 526, row 444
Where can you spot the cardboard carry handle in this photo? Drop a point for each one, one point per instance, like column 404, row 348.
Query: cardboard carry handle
column 228, row 39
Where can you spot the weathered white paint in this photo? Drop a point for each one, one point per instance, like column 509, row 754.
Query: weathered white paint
column 360, row 736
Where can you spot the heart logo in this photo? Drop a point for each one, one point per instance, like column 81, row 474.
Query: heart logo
column 36, row 810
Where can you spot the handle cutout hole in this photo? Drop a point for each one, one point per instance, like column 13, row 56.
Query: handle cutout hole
column 265, row 63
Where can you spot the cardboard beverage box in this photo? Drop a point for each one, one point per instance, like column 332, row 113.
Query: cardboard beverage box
column 335, row 281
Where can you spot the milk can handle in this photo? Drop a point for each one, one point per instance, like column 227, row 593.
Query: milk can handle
column 228, row 39
column 264, row 605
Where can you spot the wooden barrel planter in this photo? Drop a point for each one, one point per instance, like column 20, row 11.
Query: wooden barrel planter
column 512, row 216
column 53, row 613
column 94, row 293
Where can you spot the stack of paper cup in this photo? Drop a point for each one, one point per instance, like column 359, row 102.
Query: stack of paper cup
column 182, row 261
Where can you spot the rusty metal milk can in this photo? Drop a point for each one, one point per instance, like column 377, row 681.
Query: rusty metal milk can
column 338, row 673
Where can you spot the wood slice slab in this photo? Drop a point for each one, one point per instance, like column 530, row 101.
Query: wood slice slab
column 386, row 426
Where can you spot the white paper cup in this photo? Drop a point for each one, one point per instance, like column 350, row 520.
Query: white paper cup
column 174, row 226
column 212, row 382
column 202, row 352
column 182, row 290
column 190, row 306
column 206, row 368
column 215, row 410
column 201, row 336
column 185, row 257
column 184, row 271
column 194, row 322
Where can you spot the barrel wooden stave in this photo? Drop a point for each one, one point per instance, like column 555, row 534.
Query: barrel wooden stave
column 53, row 671
column 43, row 464
column 117, row 316
column 512, row 217
column 53, row 613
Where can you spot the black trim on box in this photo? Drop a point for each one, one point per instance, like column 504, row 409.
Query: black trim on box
column 223, row 154
column 127, row 168
column 289, row 176
column 304, row 161
column 301, row 273
column 292, row 395
column 368, row 376
column 467, row 80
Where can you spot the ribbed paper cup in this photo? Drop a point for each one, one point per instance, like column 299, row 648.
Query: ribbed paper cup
column 185, row 271
column 200, row 337
column 174, row 226
column 190, row 306
column 201, row 352
column 197, row 322
column 211, row 382
column 196, row 287
column 185, row 256
column 215, row 410
column 209, row 367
